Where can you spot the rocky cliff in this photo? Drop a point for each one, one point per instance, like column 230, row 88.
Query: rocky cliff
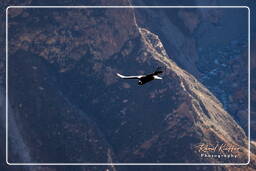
column 67, row 105
column 209, row 43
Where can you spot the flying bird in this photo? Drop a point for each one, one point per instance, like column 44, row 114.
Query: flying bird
column 144, row 78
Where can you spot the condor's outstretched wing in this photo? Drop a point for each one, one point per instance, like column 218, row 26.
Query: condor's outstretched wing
column 157, row 77
column 158, row 71
column 129, row 77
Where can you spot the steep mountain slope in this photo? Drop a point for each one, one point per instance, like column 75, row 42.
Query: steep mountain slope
column 209, row 43
column 70, row 107
column 197, row 112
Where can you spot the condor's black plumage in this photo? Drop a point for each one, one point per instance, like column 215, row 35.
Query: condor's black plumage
column 144, row 78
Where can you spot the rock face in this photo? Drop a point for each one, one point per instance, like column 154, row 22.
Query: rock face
column 211, row 44
column 198, row 111
column 69, row 106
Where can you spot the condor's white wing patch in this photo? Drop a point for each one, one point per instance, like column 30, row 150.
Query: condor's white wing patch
column 129, row 77
column 157, row 77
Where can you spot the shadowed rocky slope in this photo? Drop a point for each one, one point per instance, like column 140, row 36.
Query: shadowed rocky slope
column 211, row 44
